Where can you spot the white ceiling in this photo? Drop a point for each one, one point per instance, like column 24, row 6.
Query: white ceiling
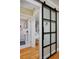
column 25, row 4
column 56, row 2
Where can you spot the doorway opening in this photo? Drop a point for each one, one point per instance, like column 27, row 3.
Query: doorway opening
column 29, row 31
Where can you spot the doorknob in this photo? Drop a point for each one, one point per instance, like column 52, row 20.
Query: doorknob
column 27, row 31
column 27, row 35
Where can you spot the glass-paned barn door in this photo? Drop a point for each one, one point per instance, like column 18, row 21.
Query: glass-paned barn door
column 49, row 31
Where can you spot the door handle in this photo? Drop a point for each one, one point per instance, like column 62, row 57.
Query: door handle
column 27, row 35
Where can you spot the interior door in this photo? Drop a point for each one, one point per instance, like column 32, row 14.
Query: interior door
column 25, row 33
column 28, row 34
column 49, row 31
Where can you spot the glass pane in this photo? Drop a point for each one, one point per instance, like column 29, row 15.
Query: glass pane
column 53, row 48
column 46, row 39
column 46, row 13
column 46, row 26
column 53, row 15
column 52, row 27
column 46, row 52
column 52, row 38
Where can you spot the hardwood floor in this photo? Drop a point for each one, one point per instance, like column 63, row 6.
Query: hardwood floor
column 56, row 56
column 30, row 53
column 33, row 53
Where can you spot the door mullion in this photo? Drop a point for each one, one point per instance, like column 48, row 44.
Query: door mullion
column 56, row 31
column 50, row 32
column 42, row 35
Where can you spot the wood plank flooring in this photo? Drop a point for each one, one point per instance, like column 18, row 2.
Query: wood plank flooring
column 56, row 56
column 30, row 53
column 33, row 53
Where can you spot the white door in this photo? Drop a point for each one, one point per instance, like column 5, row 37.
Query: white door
column 28, row 34
column 25, row 33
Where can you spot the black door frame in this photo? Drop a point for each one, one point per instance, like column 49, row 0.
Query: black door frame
column 54, row 9
column 49, row 20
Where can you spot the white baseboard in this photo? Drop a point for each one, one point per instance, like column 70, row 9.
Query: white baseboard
column 23, row 46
